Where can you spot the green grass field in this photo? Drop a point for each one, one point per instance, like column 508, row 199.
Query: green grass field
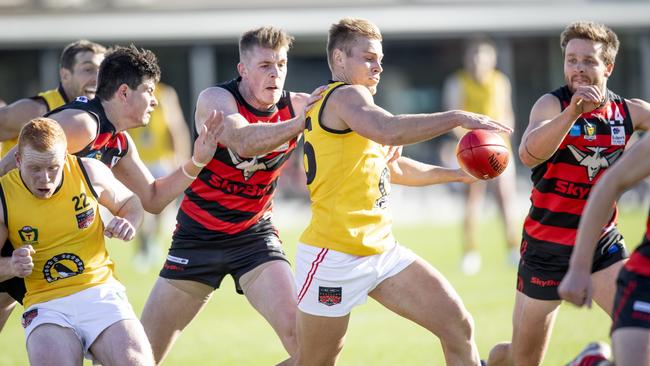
column 229, row 332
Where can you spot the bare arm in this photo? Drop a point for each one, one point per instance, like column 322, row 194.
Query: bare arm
column 352, row 106
column 246, row 139
column 409, row 172
column 640, row 114
column 633, row 167
column 79, row 126
column 549, row 125
column 113, row 195
column 20, row 263
column 155, row 194
column 14, row 116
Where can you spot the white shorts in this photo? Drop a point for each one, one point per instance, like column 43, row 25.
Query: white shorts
column 87, row 313
column 331, row 283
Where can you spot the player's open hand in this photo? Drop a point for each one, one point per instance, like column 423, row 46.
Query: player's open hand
column 586, row 98
column 463, row 177
column 475, row 121
column 576, row 288
column 21, row 261
column 208, row 140
column 120, row 228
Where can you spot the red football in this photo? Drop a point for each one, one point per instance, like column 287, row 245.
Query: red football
column 482, row 154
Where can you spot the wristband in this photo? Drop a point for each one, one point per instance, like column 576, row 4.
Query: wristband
column 185, row 173
column 197, row 164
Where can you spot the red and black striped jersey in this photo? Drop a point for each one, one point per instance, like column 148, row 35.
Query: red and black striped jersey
column 640, row 260
column 109, row 145
column 561, row 184
column 233, row 193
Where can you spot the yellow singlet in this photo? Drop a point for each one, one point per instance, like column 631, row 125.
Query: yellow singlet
column 349, row 185
column 53, row 99
column 65, row 230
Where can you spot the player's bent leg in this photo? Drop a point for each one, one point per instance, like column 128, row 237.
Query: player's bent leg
column 320, row 339
column 50, row 344
column 631, row 346
column 532, row 322
column 442, row 312
column 123, row 343
column 500, row 355
column 270, row 289
column 604, row 282
column 7, row 304
column 171, row 306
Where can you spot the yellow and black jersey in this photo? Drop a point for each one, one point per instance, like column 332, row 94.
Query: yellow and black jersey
column 65, row 230
column 349, row 187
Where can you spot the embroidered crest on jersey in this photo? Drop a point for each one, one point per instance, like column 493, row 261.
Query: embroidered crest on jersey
column 248, row 167
column 28, row 234
column 330, row 295
column 593, row 163
column 62, row 266
column 84, row 219
column 590, row 132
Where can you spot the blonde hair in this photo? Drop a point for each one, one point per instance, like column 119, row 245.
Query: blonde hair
column 265, row 37
column 42, row 134
column 592, row 31
column 343, row 34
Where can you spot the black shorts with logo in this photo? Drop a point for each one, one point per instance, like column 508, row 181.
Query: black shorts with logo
column 543, row 265
column 209, row 262
column 632, row 301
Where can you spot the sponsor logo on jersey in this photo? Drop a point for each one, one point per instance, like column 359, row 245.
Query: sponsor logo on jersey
column 330, row 295
column 594, row 162
column 28, row 316
column 574, row 131
column 62, row 266
column 28, row 234
column 618, row 135
column 84, row 219
column 544, row 283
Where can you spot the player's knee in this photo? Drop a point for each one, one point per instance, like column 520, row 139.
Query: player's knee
column 459, row 332
column 500, row 355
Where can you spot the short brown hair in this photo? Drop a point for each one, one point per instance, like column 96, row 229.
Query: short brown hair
column 70, row 52
column 265, row 37
column 343, row 34
column 592, row 31
column 42, row 134
column 126, row 65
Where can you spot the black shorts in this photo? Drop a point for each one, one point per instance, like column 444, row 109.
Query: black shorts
column 632, row 301
column 210, row 262
column 15, row 287
column 543, row 265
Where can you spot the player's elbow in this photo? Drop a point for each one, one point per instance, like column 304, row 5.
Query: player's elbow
column 526, row 159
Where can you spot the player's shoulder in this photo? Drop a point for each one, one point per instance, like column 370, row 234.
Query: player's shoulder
column 216, row 95
column 37, row 105
column 349, row 94
column 547, row 100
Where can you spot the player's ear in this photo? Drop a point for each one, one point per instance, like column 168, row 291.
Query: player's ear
column 241, row 69
column 122, row 91
column 609, row 68
column 338, row 57
column 64, row 75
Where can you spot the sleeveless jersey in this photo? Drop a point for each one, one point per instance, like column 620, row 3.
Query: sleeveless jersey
column 109, row 146
column 349, row 185
column 561, row 184
column 233, row 193
column 67, row 234
column 481, row 97
column 640, row 259
column 53, row 98
column 154, row 140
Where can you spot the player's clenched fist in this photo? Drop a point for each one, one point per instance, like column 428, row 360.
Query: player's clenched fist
column 21, row 261
column 120, row 228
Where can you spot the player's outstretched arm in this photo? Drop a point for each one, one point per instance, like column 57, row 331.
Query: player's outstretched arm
column 250, row 139
column 14, row 116
column 156, row 194
column 352, row 106
column 633, row 167
column 118, row 199
column 409, row 172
